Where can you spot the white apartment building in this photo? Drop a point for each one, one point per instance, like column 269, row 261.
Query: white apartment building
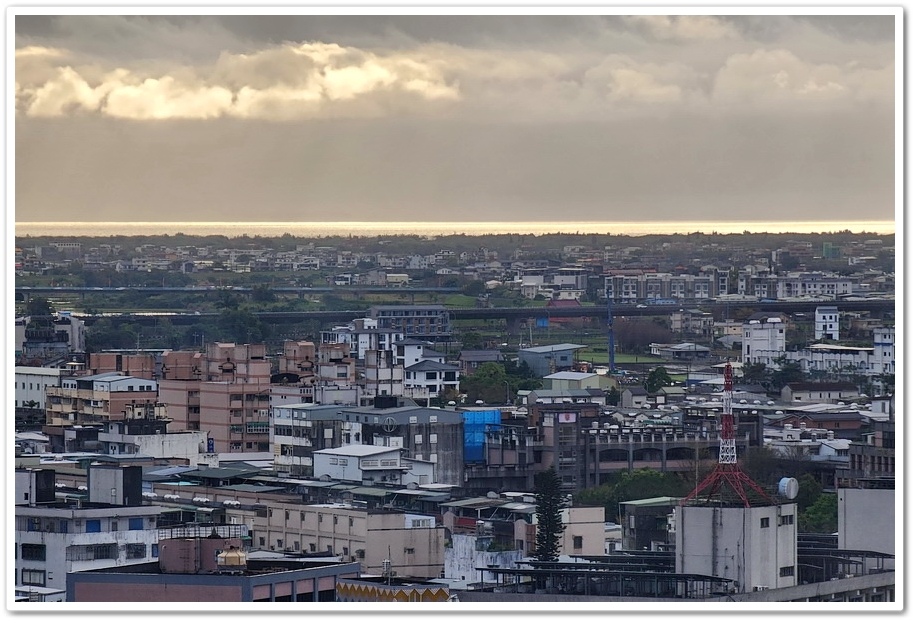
column 764, row 341
column 54, row 538
column 869, row 361
column 31, row 383
column 826, row 322
column 363, row 334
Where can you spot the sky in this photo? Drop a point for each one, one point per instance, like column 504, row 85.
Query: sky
column 454, row 118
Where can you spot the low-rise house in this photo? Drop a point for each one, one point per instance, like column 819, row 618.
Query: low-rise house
column 810, row 392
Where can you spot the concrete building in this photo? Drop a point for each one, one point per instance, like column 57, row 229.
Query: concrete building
column 42, row 339
column 369, row 465
column 382, row 376
column 362, row 334
column 827, row 322
column 866, row 518
column 31, row 384
column 545, row 360
column 82, row 405
column 210, row 565
column 754, row 546
column 151, row 438
column 764, row 341
column 54, row 538
column 424, row 322
column 225, row 392
column 819, row 392
column 426, row 434
column 413, row 543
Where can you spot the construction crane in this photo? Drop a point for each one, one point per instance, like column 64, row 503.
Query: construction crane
column 727, row 483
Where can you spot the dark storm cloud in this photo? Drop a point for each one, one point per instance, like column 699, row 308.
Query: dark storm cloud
column 406, row 117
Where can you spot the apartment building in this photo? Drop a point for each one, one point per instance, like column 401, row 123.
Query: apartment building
column 764, row 341
column 30, row 384
column 425, row 434
column 97, row 398
column 362, row 334
column 224, row 392
column 54, row 537
column 424, row 322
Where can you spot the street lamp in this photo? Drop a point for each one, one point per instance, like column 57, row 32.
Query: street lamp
column 507, row 392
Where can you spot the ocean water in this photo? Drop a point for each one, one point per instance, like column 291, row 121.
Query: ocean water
column 382, row 228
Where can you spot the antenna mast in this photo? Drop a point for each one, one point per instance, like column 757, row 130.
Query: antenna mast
column 727, row 475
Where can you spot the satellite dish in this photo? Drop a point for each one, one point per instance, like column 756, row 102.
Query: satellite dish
column 788, row 488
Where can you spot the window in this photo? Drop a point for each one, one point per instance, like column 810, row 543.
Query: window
column 787, row 520
column 408, row 550
column 764, row 522
column 33, row 551
column 114, row 525
column 786, row 572
column 33, row 577
column 93, row 525
column 136, row 550
column 101, row 552
column 135, row 523
column 154, row 550
column 577, row 542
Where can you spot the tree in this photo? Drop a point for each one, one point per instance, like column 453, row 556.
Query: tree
column 822, row 516
column 755, row 374
column 657, row 379
column 38, row 306
column 790, row 372
column 548, row 497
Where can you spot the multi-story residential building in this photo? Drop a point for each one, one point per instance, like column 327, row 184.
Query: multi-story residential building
column 412, row 544
column 382, row 376
column 827, row 322
column 429, row 434
column 632, row 286
column 45, row 338
column 31, row 384
column 692, row 322
column 425, row 322
column 430, row 379
column 838, row 360
column 764, row 341
column 225, row 392
column 767, row 285
column 56, row 537
column 361, row 335
column 97, row 398
column 141, row 365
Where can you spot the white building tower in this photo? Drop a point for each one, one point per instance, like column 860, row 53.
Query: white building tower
column 827, row 322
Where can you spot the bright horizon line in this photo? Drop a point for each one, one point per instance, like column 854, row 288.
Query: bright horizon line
column 713, row 221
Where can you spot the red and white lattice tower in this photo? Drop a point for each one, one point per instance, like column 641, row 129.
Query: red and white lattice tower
column 727, row 483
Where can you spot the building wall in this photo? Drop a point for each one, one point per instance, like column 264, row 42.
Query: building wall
column 861, row 525
column 734, row 543
column 413, row 551
column 586, row 523
column 124, row 589
column 32, row 382
column 68, row 545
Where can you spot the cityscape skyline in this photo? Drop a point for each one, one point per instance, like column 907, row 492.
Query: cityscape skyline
column 412, row 117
